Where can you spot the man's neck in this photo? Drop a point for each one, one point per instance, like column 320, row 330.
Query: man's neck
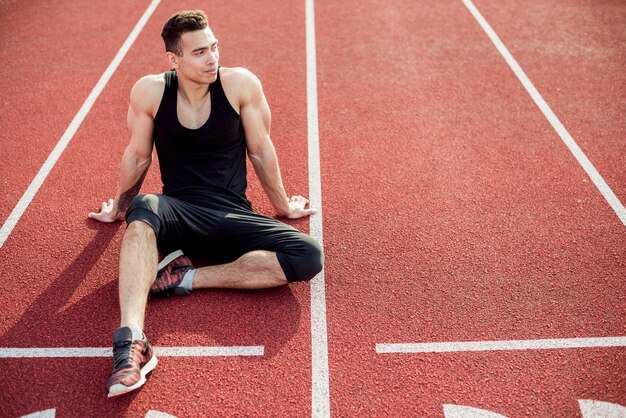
column 191, row 91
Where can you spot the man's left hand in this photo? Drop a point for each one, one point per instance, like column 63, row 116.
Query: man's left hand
column 297, row 208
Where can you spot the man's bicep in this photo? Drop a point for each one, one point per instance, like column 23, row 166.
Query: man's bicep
column 141, row 127
column 140, row 122
column 256, row 118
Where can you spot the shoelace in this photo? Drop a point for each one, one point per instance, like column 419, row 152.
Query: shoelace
column 178, row 267
column 172, row 269
column 170, row 278
column 123, row 354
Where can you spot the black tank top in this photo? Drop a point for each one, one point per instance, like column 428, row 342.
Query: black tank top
column 204, row 165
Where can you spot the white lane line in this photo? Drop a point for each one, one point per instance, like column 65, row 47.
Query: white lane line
column 599, row 409
column 543, row 344
column 320, row 399
column 591, row 171
column 48, row 413
column 72, row 352
column 209, row 351
column 158, row 414
column 462, row 411
column 54, row 156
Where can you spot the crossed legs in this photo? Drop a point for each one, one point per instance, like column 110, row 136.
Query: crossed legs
column 138, row 268
column 291, row 254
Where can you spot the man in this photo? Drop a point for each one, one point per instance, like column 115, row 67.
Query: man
column 202, row 119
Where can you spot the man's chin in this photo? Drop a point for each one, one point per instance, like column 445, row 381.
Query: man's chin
column 210, row 78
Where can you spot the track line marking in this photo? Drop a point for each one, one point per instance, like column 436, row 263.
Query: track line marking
column 599, row 409
column 580, row 156
column 505, row 345
column 48, row 413
column 462, row 411
column 54, row 156
column 72, row 352
column 320, row 395
column 209, row 351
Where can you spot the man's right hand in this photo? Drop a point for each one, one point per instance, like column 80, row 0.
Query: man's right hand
column 108, row 213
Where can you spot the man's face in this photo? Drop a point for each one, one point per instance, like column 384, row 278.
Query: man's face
column 200, row 56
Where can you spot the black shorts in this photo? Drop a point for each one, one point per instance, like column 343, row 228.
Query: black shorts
column 222, row 233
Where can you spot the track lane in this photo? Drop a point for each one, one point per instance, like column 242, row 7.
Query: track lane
column 49, row 70
column 69, row 264
column 452, row 213
column 574, row 52
column 514, row 384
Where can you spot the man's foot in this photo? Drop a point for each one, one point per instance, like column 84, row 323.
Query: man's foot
column 132, row 361
column 171, row 271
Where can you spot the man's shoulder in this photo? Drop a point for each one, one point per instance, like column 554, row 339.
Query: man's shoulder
column 150, row 84
column 240, row 81
column 148, row 91
column 238, row 76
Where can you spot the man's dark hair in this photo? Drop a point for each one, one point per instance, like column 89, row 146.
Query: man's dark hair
column 180, row 23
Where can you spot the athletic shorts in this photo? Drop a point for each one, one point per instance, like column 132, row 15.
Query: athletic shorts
column 222, row 234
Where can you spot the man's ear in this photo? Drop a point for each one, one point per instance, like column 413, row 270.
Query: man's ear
column 172, row 59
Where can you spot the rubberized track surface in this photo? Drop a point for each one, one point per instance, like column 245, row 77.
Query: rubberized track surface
column 452, row 212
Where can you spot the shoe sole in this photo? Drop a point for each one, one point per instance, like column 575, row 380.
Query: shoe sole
column 120, row 389
column 169, row 258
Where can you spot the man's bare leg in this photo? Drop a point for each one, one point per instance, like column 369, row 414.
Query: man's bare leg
column 138, row 268
column 133, row 357
column 253, row 270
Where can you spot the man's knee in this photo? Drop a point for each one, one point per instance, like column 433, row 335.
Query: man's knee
column 307, row 261
column 315, row 259
column 140, row 229
column 143, row 212
column 149, row 202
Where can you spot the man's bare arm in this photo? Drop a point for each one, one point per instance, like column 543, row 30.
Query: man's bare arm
column 256, row 118
column 138, row 154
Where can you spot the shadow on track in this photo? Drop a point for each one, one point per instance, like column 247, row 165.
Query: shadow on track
column 213, row 317
column 224, row 317
column 42, row 325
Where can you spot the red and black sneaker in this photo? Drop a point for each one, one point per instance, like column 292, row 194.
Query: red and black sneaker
column 132, row 361
column 171, row 271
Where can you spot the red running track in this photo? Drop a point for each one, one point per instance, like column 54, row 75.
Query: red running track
column 574, row 53
column 53, row 55
column 452, row 212
column 67, row 264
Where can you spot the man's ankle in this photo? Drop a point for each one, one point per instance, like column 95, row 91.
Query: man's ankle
column 137, row 332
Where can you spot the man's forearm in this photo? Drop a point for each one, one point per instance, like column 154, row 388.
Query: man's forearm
column 132, row 175
column 267, row 170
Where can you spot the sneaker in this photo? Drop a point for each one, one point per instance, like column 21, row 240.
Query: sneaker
column 132, row 361
column 171, row 271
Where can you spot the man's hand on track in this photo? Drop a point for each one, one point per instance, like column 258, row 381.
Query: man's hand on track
column 297, row 208
column 107, row 213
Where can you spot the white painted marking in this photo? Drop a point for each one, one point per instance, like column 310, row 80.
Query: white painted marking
column 320, row 399
column 55, row 352
column 544, row 344
column 591, row 171
column 209, row 351
column 460, row 411
column 598, row 409
column 72, row 352
column 54, row 156
column 158, row 414
column 48, row 413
